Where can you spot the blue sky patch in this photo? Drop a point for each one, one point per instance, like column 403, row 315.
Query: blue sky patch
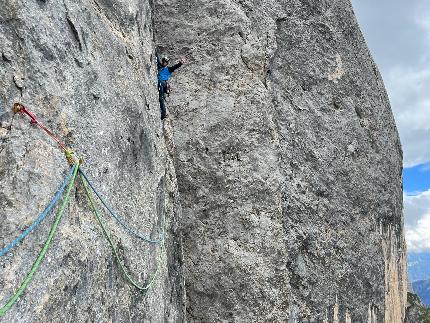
column 416, row 179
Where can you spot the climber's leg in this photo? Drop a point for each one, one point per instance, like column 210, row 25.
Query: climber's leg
column 162, row 98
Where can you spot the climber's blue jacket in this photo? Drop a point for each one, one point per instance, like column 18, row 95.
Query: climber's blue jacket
column 164, row 73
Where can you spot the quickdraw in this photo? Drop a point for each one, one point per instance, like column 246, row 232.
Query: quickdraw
column 70, row 181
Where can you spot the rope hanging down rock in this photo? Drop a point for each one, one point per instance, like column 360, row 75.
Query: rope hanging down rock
column 71, row 158
column 118, row 218
column 45, row 248
column 106, row 234
column 41, row 217
column 70, row 180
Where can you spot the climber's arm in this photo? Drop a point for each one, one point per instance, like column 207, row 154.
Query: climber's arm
column 175, row 67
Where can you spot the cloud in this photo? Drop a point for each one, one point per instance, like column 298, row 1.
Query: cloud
column 417, row 221
column 398, row 34
column 408, row 89
column 393, row 30
column 422, row 15
column 417, row 239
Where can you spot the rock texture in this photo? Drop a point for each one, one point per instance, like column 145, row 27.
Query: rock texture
column 86, row 69
column 288, row 162
column 416, row 311
column 286, row 152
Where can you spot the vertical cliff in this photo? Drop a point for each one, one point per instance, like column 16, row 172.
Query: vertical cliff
column 286, row 153
column 86, row 69
column 288, row 162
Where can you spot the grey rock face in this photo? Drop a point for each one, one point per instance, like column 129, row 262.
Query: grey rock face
column 288, row 163
column 86, row 69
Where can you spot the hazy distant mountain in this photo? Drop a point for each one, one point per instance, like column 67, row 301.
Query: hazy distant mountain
column 422, row 289
column 418, row 266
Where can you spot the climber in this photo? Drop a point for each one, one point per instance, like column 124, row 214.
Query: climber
column 164, row 74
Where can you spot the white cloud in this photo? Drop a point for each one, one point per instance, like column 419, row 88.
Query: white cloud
column 398, row 34
column 422, row 15
column 409, row 93
column 417, row 221
column 418, row 238
column 408, row 86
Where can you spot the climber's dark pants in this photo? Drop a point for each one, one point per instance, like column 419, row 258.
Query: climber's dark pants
column 162, row 89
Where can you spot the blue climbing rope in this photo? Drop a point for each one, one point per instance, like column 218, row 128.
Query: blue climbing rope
column 120, row 220
column 54, row 200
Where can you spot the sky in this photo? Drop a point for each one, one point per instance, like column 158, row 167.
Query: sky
column 398, row 35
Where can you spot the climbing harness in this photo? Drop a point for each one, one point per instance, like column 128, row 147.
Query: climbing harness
column 69, row 182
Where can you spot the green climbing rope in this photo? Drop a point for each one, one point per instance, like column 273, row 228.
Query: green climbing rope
column 45, row 248
column 130, row 280
column 76, row 162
